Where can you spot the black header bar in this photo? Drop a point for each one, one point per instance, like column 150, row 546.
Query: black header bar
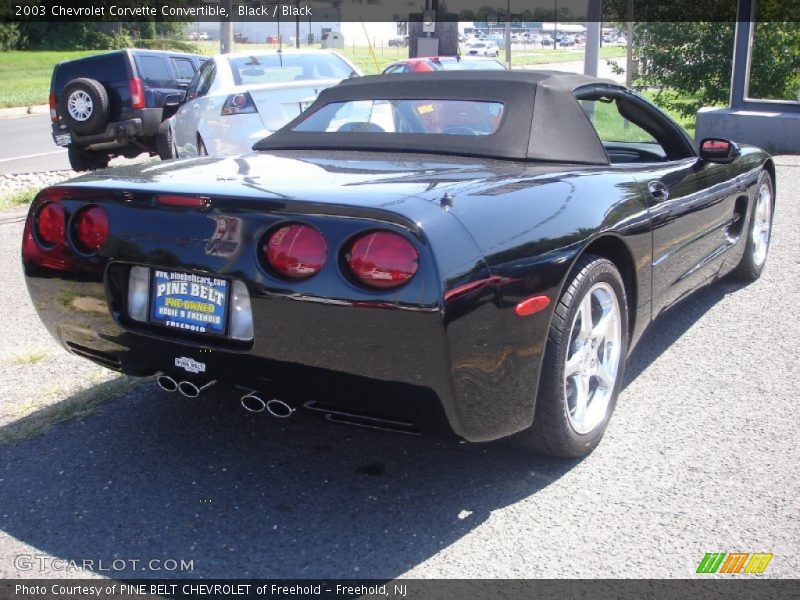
column 491, row 12
column 398, row 589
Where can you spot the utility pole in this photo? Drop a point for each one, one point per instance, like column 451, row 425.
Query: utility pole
column 297, row 26
column 507, row 33
column 629, row 49
column 555, row 24
column 226, row 32
column 592, row 56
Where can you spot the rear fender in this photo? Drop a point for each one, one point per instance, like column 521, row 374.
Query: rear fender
column 204, row 131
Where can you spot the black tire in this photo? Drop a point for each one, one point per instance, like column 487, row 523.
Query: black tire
column 95, row 115
column 749, row 268
column 552, row 431
column 83, row 160
column 164, row 145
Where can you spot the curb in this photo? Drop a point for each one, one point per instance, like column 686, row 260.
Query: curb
column 21, row 111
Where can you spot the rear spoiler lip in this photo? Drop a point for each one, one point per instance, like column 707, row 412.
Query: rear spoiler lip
column 145, row 197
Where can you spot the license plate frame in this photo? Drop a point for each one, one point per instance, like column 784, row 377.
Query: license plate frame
column 175, row 314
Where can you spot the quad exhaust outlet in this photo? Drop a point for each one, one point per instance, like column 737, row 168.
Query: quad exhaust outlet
column 191, row 390
column 187, row 388
column 279, row 409
column 251, row 401
column 167, row 383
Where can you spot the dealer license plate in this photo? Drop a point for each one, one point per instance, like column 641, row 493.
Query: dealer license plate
column 189, row 302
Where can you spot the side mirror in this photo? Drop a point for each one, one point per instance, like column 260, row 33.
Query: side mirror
column 172, row 103
column 718, row 150
column 174, row 100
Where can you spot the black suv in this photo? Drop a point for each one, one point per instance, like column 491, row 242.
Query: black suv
column 112, row 104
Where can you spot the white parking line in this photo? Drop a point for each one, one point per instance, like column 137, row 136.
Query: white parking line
column 2, row 160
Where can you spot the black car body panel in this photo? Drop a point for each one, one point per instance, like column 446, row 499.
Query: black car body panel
column 446, row 351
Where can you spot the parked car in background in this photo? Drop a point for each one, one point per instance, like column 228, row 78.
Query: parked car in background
column 237, row 99
column 444, row 63
column 483, row 48
column 565, row 40
column 400, row 41
column 112, row 104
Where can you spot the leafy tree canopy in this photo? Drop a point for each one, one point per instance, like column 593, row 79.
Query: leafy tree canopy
column 694, row 59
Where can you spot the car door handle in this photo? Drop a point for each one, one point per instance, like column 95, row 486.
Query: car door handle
column 658, row 191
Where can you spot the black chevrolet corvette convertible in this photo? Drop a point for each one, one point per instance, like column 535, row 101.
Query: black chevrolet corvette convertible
column 469, row 252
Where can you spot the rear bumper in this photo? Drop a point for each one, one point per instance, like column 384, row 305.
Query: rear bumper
column 387, row 363
column 135, row 354
column 117, row 134
column 382, row 362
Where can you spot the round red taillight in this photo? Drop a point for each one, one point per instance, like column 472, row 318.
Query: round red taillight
column 382, row 259
column 296, row 251
column 51, row 222
column 239, row 100
column 90, row 229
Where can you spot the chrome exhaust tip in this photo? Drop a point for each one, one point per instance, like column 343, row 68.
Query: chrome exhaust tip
column 191, row 390
column 167, row 383
column 252, row 403
column 279, row 409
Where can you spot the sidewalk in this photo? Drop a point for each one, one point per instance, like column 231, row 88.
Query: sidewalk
column 604, row 70
column 21, row 111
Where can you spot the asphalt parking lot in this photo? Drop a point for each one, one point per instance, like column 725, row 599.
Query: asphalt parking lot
column 701, row 456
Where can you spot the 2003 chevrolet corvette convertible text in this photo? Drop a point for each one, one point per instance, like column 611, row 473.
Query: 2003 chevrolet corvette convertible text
column 472, row 252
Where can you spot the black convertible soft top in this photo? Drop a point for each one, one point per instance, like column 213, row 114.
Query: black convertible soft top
column 543, row 121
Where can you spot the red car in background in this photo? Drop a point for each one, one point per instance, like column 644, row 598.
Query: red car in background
column 444, row 63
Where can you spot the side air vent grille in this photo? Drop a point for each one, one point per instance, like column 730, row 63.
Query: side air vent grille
column 337, row 415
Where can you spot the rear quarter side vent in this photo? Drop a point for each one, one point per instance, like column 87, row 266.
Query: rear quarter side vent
column 738, row 219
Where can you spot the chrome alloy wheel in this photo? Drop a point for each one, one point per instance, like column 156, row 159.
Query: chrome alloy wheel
column 593, row 357
column 762, row 224
column 80, row 105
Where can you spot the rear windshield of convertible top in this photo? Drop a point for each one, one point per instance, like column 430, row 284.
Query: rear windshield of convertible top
column 448, row 117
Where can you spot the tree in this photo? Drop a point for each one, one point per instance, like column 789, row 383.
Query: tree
column 61, row 35
column 775, row 65
column 689, row 63
column 9, row 36
column 95, row 35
